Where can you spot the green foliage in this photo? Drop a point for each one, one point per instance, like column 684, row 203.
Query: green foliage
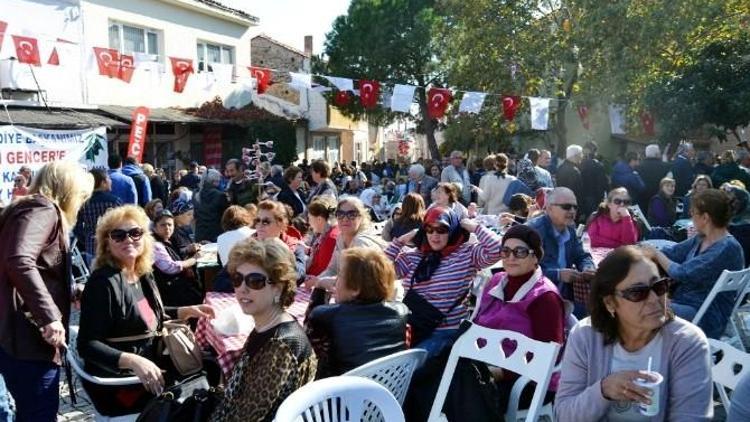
column 714, row 90
column 389, row 41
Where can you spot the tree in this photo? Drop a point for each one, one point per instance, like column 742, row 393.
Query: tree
column 389, row 41
column 713, row 91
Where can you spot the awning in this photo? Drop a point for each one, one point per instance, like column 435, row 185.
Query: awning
column 56, row 118
column 156, row 115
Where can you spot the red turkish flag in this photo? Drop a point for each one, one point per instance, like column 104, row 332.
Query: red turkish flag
column 126, row 68
column 647, row 121
column 369, row 93
column 108, row 61
column 511, row 103
column 27, row 50
column 54, row 59
column 342, row 98
column 3, row 26
column 263, row 76
column 437, row 102
column 583, row 114
column 182, row 68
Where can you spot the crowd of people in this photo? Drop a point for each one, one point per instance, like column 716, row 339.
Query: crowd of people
column 393, row 257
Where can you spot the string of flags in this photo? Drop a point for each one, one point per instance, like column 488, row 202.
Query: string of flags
column 399, row 98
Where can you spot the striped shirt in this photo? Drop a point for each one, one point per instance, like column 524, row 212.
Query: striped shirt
column 453, row 277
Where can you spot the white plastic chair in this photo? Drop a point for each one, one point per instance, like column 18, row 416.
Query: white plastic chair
column 728, row 369
column 77, row 364
column 532, row 360
column 393, row 372
column 729, row 281
column 342, row 398
column 79, row 263
column 377, row 228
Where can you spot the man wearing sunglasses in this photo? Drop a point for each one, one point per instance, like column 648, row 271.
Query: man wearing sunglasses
column 564, row 259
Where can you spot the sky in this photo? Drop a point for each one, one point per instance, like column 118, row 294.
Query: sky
column 290, row 20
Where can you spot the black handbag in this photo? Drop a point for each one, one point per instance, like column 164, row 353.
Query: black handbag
column 424, row 317
column 190, row 400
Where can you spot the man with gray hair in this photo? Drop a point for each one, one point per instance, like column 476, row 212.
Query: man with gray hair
column 457, row 174
column 652, row 169
column 569, row 173
column 421, row 183
column 564, row 259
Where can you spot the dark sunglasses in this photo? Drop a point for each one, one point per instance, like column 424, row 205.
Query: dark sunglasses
column 436, row 229
column 640, row 293
column 567, row 207
column 263, row 221
column 349, row 215
column 519, row 252
column 254, row 281
column 618, row 201
column 118, row 235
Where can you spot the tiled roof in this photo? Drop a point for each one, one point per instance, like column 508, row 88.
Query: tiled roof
column 218, row 5
column 156, row 115
column 56, row 118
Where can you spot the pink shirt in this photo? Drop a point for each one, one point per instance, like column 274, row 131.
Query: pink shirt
column 605, row 233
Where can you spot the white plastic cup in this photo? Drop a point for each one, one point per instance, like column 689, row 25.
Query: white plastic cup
column 653, row 408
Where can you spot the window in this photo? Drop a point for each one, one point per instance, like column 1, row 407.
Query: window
column 128, row 39
column 325, row 148
column 213, row 53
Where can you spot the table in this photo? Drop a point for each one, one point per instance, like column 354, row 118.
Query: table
column 229, row 348
column 582, row 288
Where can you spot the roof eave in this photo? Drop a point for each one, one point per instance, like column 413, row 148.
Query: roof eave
column 224, row 13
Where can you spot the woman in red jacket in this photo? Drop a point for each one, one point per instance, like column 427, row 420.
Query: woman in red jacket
column 320, row 215
column 611, row 225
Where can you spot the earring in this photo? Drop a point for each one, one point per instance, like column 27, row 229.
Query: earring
column 611, row 313
column 276, row 299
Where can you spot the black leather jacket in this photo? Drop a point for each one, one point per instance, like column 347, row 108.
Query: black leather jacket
column 351, row 334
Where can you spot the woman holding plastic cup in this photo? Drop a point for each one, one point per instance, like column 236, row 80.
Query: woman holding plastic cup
column 631, row 329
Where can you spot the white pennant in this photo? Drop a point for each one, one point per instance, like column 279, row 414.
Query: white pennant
column 617, row 118
column 342, row 84
column 301, row 80
column 402, row 97
column 539, row 113
column 472, row 102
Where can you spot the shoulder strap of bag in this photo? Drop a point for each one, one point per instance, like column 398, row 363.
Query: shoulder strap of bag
column 136, row 337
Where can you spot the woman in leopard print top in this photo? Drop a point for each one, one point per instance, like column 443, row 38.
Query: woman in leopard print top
column 278, row 358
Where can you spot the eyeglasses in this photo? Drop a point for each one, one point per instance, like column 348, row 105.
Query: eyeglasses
column 567, row 207
column 640, row 293
column 436, row 229
column 619, row 201
column 118, row 235
column 519, row 252
column 254, row 281
column 263, row 221
column 348, row 215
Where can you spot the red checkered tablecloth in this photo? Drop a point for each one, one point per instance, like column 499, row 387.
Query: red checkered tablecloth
column 582, row 288
column 229, row 348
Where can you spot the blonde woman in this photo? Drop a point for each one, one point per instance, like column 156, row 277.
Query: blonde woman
column 354, row 231
column 121, row 309
column 35, row 292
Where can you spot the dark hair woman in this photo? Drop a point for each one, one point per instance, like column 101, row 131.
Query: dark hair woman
column 630, row 329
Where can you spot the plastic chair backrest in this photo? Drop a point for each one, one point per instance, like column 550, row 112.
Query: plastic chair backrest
column 343, row 398
column 729, row 281
column 531, row 359
column 729, row 366
column 393, row 372
column 77, row 364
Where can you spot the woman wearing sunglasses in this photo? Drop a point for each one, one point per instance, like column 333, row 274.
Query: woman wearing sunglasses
column 523, row 300
column 272, row 222
column 441, row 269
column 696, row 263
column 630, row 327
column 611, row 225
column 277, row 358
column 354, row 231
column 35, row 293
column 121, row 310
